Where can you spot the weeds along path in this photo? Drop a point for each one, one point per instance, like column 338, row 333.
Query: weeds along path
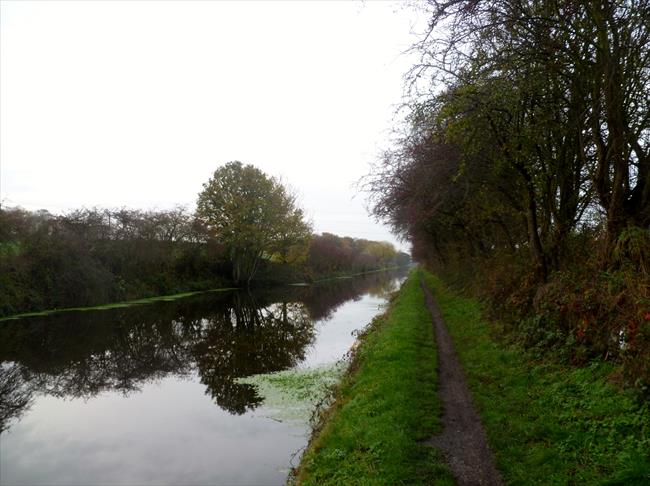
column 463, row 439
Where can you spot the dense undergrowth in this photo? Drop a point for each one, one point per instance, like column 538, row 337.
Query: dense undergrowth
column 385, row 406
column 580, row 313
column 547, row 422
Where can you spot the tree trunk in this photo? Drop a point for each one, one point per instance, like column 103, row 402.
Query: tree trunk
column 534, row 242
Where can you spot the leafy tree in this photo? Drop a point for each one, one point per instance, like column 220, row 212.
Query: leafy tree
column 252, row 215
column 571, row 81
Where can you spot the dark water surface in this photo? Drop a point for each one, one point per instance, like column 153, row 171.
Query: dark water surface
column 150, row 394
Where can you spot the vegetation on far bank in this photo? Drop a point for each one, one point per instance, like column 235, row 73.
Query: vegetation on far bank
column 92, row 257
column 115, row 305
column 252, row 215
column 548, row 423
column 171, row 297
column 385, row 406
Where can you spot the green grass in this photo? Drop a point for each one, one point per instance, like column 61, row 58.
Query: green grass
column 115, row 305
column 548, row 424
column 385, row 407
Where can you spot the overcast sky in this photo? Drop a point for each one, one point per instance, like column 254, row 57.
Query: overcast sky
column 125, row 103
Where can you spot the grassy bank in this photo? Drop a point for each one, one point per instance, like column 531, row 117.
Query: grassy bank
column 548, row 424
column 115, row 305
column 385, row 406
column 167, row 298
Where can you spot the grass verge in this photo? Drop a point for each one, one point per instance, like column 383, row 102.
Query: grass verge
column 386, row 405
column 115, row 305
column 547, row 423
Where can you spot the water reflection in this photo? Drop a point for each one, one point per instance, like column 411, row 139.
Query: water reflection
column 15, row 394
column 221, row 337
column 248, row 338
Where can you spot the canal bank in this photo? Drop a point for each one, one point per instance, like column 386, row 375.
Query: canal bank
column 386, row 406
column 546, row 422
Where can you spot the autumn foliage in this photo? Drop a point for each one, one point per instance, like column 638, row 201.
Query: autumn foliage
column 522, row 171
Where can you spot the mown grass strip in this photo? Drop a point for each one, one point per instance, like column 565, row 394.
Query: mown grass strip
column 548, row 424
column 115, row 305
column 385, row 406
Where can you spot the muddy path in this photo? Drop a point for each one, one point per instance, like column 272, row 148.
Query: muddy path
column 463, row 440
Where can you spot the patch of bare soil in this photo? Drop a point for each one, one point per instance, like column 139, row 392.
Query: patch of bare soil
column 463, row 440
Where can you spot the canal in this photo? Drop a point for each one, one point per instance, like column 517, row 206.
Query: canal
column 195, row 391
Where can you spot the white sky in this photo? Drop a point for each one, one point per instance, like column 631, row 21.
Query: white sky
column 125, row 103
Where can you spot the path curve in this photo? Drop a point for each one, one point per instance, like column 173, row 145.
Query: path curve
column 462, row 440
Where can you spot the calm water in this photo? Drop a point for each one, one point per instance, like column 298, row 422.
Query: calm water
column 150, row 394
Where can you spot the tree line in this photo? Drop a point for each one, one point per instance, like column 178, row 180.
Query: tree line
column 247, row 230
column 523, row 168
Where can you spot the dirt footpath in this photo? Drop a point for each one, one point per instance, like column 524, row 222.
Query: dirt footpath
column 463, row 439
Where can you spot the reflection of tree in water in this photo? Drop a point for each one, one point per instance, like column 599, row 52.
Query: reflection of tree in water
column 250, row 338
column 383, row 287
column 75, row 358
column 15, row 394
column 82, row 354
column 222, row 336
column 323, row 299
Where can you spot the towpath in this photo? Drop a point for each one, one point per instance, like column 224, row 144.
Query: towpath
column 462, row 440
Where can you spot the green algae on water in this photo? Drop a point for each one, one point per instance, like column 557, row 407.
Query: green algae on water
column 293, row 395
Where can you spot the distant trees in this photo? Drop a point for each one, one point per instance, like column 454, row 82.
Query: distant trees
column 247, row 225
column 252, row 215
column 94, row 256
column 330, row 254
